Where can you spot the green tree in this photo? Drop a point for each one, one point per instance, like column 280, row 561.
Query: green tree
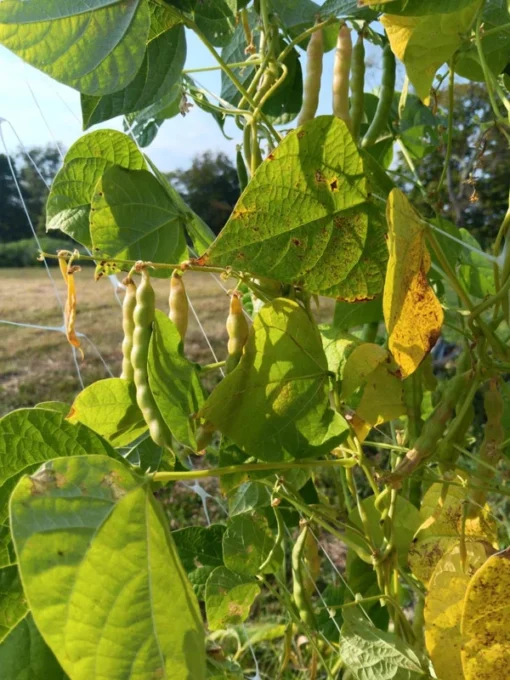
column 475, row 192
column 210, row 187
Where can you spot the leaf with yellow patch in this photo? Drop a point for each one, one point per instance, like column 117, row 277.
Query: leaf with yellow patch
column 371, row 387
column 411, row 309
column 433, row 542
column 424, row 43
column 443, row 607
column 485, row 622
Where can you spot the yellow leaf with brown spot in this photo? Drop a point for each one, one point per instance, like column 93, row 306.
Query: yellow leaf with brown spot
column 444, row 604
column 411, row 309
column 424, row 43
column 433, row 542
column 485, row 622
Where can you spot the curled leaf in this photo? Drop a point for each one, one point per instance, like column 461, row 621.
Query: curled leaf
column 412, row 312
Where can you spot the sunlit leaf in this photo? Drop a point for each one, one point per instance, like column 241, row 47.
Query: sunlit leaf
column 305, row 218
column 104, row 582
column 228, row 598
column 443, row 534
column 424, row 43
column 275, row 404
column 443, row 607
column 372, row 654
column 133, row 218
column 109, row 408
column 486, row 621
column 160, row 71
column 412, row 311
column 68, row 206
column 96, row 47
column 28, row 437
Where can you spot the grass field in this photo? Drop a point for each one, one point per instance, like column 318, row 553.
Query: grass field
column 37, row 365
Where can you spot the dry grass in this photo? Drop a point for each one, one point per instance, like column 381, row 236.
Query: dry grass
column 37, row 365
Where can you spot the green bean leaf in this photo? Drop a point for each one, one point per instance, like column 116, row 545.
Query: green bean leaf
column 200, row 545
column 160, row 71
column 29, row 437
column 132, row 218
column 96, row 47
column 306, row 218
column 173, row 381
column 275, row 404
column 108, row 565
column 109, row 408
column 228, row 598
column 247, row 543
column 25, row 655
column 13, row 607
column 68, row 207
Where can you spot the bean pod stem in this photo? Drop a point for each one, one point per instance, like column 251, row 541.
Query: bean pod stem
column 382, row 112
column 341, row 72
column 312, row 85
column 143, row 317
column 128, row 326
column 357, row 86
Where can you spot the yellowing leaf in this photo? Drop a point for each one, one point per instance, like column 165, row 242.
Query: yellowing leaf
column 437, row 539
column 412, row 312
column 486, row 621
column 444, row 604
column 424, row 43
column 369, row 383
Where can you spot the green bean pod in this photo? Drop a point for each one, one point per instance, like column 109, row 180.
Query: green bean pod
column 242, row 173
column 341, row 72
column 312, row 562
column 489, row 453
column 178, row 304
column 382, row 112
column 357, row 86
column 238, row 331
column 299, row 580
column 143, row 316
column 312, row 84
column 128, row 326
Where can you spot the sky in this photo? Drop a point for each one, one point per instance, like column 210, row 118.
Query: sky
column 43, row 111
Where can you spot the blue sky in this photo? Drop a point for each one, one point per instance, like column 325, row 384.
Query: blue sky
column 26, row 90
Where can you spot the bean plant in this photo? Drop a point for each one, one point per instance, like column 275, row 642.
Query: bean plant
column 347, row 437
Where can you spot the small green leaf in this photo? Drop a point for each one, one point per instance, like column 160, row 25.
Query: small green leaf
column 275, row 404
column 96, row 47
column 306, row 219
column 372, row 654
column 13, row 607
column 246, row 545
column 68, row 206
column 105, row 567
column 248, row 497
column 348, row 315
column 29, row 437
column 132, row 218
column 144, row 125
column 173, row 381
column 228, row 598
column 160, row 71
column 200, row 545
column 24, row 655
column 109, row 408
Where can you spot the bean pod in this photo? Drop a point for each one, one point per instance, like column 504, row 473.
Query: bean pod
column 299, row 580
column 382, row 112
column 357, row 86
column 143, row 317
column 238, row 331
column 178, row 304
column 128, row 326
column 341, row 71
column 312, row 85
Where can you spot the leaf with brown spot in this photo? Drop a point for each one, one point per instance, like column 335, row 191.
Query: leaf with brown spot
column 412, row 312
column 228, row 598
column 486, row 621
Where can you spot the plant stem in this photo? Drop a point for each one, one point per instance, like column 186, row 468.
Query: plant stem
column 250, row 467
column 237, row 64
column 212, row 367
column 451, row 105
column 485, row 68
column 496, row 29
